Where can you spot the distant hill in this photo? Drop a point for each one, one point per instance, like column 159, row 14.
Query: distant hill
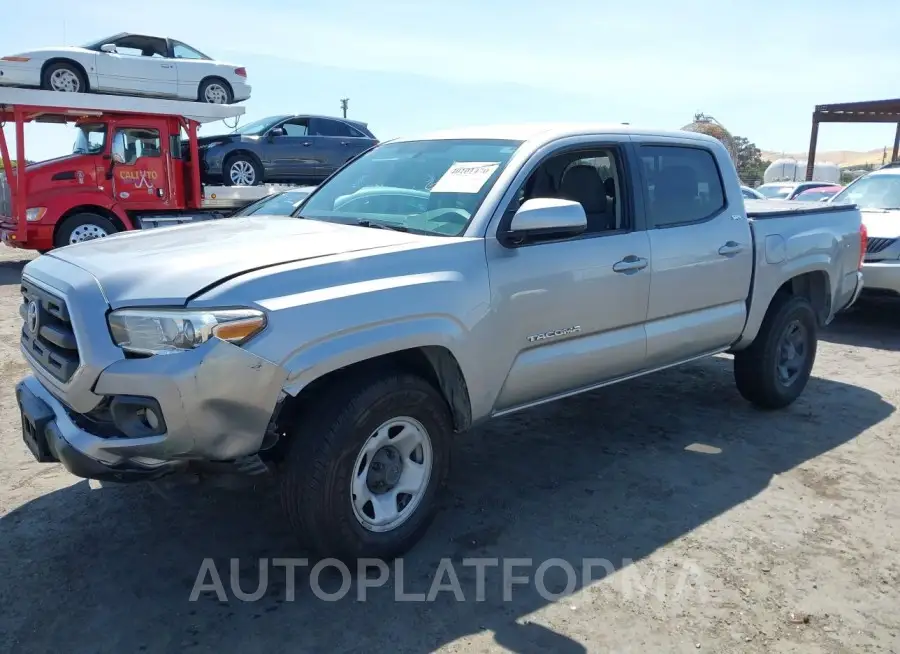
column 840, row 157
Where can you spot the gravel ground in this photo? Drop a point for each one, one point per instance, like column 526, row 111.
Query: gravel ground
column 722, row 529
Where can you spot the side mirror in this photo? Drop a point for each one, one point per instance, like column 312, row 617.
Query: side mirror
column 108, row 47
column 549, row 217
column 276, row 131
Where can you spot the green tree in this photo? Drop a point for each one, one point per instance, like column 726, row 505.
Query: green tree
column 749, row 162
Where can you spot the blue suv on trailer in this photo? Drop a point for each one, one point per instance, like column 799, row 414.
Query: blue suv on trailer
column 278, row 149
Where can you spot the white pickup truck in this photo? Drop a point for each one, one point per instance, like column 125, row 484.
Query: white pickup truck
column 475, row 273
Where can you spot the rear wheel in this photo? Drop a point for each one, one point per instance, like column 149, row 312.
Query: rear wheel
column 215, row 91
column 362, row 475
column 83, row 227
column 64, row 77
column 774, row 370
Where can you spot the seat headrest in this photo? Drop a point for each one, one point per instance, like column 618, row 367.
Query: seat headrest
column 582, row 183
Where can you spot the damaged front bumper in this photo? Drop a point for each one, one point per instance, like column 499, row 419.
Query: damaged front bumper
column 214, row 403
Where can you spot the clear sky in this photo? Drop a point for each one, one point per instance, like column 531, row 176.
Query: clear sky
column 414, row 65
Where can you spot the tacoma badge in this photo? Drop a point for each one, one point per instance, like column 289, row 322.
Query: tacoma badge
column 553, row 333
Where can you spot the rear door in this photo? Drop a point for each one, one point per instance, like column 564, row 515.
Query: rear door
column 340, row 142
column 702, row 250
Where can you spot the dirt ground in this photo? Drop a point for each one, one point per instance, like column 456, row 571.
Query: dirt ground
column 729, row 529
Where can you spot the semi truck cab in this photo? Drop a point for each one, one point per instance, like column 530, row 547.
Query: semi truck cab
column 134, row 164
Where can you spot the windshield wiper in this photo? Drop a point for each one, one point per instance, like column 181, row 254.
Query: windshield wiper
column 363, row 222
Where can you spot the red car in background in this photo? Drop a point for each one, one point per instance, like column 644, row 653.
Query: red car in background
column 818, row 194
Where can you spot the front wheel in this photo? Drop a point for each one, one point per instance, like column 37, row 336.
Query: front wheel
column 64, row 77
column 83, row 227
column 362, row 476
column 241, row 170
column 774, row 370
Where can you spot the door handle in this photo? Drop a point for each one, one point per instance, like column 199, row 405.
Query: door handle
column 731, row 248
column 166, row 65
column 630, row 264
column 306, row 144
column 344, row 143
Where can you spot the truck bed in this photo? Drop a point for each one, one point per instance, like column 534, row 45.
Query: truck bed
column 762, row 209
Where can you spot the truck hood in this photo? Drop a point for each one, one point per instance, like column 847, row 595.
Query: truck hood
column 169, row 265
column 48, row 163
column 881, row 223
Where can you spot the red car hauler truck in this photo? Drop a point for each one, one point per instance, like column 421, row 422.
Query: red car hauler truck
column 130, row 168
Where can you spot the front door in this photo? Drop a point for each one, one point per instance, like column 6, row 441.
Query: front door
column 139, row 169
column 702, row 251
column 139, row 66
column 572, row 311
column 293, row 152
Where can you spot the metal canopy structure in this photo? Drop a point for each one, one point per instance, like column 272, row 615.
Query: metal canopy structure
column 876, row 111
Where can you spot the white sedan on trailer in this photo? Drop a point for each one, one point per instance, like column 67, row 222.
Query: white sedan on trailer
column 130, row 64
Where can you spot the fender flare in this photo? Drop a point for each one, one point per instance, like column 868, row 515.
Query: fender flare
column 316, row 359
column 759, row 306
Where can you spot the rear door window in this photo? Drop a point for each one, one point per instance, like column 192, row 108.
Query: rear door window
column 682, row 185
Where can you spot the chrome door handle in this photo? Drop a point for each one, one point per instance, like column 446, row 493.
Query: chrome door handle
column 731, row 248
column 306, row 144
column 630, row 264
column 166, row 65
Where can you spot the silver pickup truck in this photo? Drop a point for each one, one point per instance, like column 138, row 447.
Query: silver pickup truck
column 430, row 284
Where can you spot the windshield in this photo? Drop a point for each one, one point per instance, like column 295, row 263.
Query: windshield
column 872, row 192
column 93, row 45
column 776, row 191
column 90, row 138
column 278, row 204
column 815, row 195
column 432, row 187
column 258, row 127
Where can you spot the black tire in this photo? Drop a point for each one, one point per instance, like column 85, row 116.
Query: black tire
column 72, row 223
column 49, row 71
column 209, row 82
column 756, row 368
column 245, row 160
column 319, row 464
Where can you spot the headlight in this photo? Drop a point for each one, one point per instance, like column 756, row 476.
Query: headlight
column 35, row 214
column 165, row 331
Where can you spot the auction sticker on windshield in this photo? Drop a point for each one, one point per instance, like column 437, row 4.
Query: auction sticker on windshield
column 465, row 177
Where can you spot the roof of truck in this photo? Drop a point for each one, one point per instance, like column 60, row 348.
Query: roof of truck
column 550, row 132
column 75, row 105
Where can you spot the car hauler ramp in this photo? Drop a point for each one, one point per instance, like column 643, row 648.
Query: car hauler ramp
column 55, row 104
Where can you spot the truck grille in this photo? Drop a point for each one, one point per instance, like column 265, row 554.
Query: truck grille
column 876, row 245
column 5, row 196
column 47, row 333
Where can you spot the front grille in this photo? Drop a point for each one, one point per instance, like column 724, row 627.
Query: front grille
column 47, row 333
column 876, row 245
